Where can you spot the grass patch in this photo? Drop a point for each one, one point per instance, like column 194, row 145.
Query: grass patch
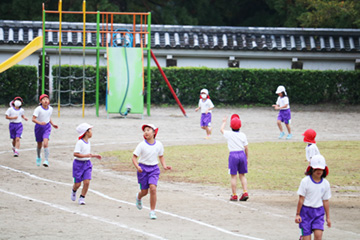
column 272, row 165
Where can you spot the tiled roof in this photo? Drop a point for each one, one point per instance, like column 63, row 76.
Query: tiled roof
column 198, row 37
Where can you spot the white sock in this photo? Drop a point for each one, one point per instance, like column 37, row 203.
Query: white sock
column 47, row 152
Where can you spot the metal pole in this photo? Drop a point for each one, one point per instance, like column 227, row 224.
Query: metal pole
column 97, row 61
column 43, row 54
column 148, row 101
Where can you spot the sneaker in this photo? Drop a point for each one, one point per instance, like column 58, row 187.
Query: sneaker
column 244, row 197
column 289, row 136
column 13, row 149
column 38, row 161
column 138, row 202
column 73, row 195
column 281, row 135
column 16, row 154
column 82, row 201
column 233, row 198
column 46, row 163
column 153, row 215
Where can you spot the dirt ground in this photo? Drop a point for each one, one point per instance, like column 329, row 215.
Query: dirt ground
column 35, row 201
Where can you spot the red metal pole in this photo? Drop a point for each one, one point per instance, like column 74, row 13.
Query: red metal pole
column 168, row 83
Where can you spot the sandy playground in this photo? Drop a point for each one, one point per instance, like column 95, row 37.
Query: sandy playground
column 35, row 201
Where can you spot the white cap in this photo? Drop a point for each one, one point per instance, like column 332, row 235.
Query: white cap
column 280, row 89
column 151, row 126
column 82, row 128
column 318, row 162
column 17, row 103
column 204, row 90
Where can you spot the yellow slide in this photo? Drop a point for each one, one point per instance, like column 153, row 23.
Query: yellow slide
column 23, row 53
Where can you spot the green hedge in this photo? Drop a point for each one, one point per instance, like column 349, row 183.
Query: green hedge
column 237, row 86
column 18, row 81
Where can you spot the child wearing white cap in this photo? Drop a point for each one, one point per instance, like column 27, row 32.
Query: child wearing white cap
column 14, row 114
column 284, row 116
column 314, row 194
column 206, row 105
column 238, row 156
column 148, row 172
column 82, row 166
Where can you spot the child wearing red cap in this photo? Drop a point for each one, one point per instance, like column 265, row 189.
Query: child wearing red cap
column 148, row 172
column 42, row 119
column 14, row 114
column 238, row 156
column 82, row 166
column 314, row 194
column 206, row 105
column 311, row 149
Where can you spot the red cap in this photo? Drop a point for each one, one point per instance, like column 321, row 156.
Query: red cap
column 235, row 122
column 309, row 136
column 42, row 96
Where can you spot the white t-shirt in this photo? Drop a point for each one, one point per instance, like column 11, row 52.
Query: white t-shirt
column 43, row 115
column 282, row 101
column 205, row 105
column 12, row 112
column 313, row 192
column 310, row 151
column 82, row 147
column 149, row 154
column 236, row 140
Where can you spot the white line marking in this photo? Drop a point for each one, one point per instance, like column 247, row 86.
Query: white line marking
column 83, row 214
column 133, row 204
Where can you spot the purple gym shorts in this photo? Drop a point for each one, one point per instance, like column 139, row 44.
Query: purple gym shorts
column 81, row 170
column 237, row 163
column 284, row 116
column 312, row 218
column 205, row 120
column 15, row 129
column 42, row 132
column 149, row 175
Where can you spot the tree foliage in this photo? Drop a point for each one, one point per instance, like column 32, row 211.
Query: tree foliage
column 272, row 13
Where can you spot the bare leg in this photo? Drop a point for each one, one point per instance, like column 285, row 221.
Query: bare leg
column 142, row 193
column 233, row 184
column 152, row 197
column 76, row 186
column 318, row 234
column 46, row 142
column 17, row 143
column 288, row 128
column 86, row 184
column 13, row 142
column 308, row 237
column 279, row 125
column 243, row 182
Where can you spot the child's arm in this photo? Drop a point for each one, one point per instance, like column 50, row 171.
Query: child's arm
column 327, row 212
column 10, row 118
column 197, row 109
column 162, row 160
column 223, row 125
column 78, row 155
column 37, row 122
column 25, row 118
column 209, row 110
column 53, row 124
column 246, row 150
column 298, row 210
column 134, row 160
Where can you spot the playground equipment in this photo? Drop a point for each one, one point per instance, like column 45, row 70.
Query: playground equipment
column 34, row 45
column 105, row 39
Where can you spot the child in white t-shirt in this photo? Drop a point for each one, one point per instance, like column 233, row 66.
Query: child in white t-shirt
column 238, row 156
column 14, row 114
column 43, row 123
column 314, row 194
column 148, row 172
column 284, row 116
column 311, row 149
column 206, row 105
column 82, row 166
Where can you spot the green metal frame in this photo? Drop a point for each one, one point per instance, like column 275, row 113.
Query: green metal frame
column 98, row 48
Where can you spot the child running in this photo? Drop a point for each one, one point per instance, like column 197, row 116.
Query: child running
column 238, row 156
column 284, row 116
column 14, row 114
column 82, row 166
column 311, row 149
column 148, row 171
column 314, row 194
column 206, row 105
column 43, row 123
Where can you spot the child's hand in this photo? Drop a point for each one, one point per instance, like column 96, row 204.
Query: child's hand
column 328, row 222
column 167, row 167
column 298, row 219
column 96, row 156
column 225, row 119
column 55, row 126
column 139, row 169
column 42, row 123
column 196, row 109
column 25, row 119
